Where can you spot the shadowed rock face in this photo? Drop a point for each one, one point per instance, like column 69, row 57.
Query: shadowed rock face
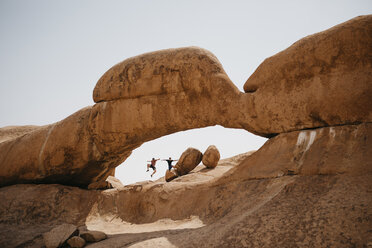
column 322, row 80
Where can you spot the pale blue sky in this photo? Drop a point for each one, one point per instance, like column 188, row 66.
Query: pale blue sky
column 53, row 52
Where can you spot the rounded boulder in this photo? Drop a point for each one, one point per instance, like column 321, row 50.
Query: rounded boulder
column 211, row 157
column 188, row 161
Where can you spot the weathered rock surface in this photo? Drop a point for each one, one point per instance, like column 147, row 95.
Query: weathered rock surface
column 86, row 147
column 322, row 151
column 93, row 236
column 12, row 132
column 110, row 183
column 324, row 79
column 188, row 161
column 114, row 182
column 76, row 242
column 318, row 193
column 59, row 235
column 170, row 175
column 211, row 157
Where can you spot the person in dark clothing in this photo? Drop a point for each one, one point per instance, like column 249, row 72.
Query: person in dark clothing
column 170, row 160
column 152, row 165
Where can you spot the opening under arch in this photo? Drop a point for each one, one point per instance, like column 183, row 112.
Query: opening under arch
column 229, row 142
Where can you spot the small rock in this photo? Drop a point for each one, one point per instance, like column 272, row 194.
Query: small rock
column 170, row 175
column 82, row 228
column 93, row 236
column 114, row 182
column 76, row 242
column 58, row 235
column 188, row 161
column 211, row 157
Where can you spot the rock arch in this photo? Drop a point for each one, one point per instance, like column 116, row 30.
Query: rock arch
column 137, row 100
column 321, row 80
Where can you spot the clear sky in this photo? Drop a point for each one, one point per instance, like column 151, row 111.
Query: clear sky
column 53, row 52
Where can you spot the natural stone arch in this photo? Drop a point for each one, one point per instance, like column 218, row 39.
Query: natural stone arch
column 135, row 100
column 322, row 80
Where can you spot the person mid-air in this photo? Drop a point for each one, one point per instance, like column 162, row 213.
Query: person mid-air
column 152, row 165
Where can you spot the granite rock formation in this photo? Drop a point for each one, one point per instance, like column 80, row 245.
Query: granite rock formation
column 321, row 80
column 324, row 79
column 131, row 100
column 309, row 188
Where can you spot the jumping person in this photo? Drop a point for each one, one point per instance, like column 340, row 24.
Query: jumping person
column 152, row 165
column 170, row 160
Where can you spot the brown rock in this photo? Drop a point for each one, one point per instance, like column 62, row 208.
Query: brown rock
column 322, row 151
column 93, row 236
column 188, row 161
column 58, row 235
column 324, row 79
column 170, row 175
column 211, row 157
column 86, row 147
column 101, row 185
column 114, row 182
column 305, row 86
column 12, row 132
column 325, row 174
column 110, row 183
column 76, row 242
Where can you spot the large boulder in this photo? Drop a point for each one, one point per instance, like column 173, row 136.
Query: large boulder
column 324, row 79
column 211, row 157
column 188, row 161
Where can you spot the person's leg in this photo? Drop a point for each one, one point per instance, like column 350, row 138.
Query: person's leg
column 148, row 166
column 153, row 172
